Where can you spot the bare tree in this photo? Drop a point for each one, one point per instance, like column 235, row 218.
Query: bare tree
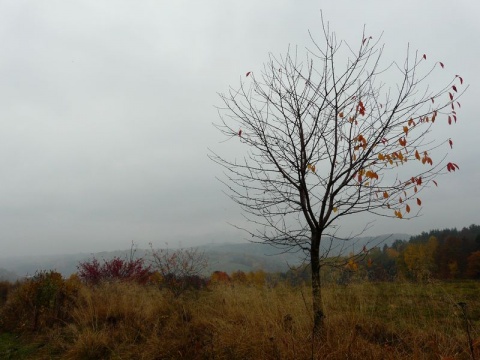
column 325, row 137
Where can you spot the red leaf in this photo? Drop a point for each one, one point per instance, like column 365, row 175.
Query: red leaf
column 240, row 132
column 461, row 79
column 435, row 182
column 441, row 64
column 433, row 101
column 459, row 104
column 454, row 88
column 452, row 167
column 248, row 73
column 451, row 96
column 449, row 120
column 425, row 56
column 451, row 143
column 419, row 202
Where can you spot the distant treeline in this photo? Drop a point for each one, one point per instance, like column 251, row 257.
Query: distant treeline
column 438, row 254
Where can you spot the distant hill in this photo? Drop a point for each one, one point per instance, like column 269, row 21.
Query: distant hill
column 226, row 257
column 6, row 275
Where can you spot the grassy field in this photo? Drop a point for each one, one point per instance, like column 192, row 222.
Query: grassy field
column 364, row 321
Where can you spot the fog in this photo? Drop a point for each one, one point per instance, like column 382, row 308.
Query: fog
column 106, row 112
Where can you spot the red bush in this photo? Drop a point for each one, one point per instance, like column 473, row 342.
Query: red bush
column 116, row 269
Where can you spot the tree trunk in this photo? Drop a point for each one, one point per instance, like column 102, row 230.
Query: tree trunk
column 318, row 314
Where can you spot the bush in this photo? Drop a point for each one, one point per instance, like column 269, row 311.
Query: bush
column 180, row 269
column 41, row 301
column 116, row 269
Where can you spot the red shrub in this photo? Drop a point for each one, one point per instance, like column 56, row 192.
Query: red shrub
column 116, row 269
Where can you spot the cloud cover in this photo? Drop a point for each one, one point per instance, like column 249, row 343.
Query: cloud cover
column 106, row 112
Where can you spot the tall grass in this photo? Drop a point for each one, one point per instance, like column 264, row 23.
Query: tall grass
column 364, row 321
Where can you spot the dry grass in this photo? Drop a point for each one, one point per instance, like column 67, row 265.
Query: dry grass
column 364, row 321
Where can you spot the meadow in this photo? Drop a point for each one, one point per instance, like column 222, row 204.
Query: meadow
column 126, row 320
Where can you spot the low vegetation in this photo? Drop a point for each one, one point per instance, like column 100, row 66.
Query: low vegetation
column 237, row 317
column 396, row 303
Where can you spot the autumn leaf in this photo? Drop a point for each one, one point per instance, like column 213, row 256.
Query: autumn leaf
column 451, row 95
column 240, row 132
column 417, row 155
column 451, row 143
column 461, row 79
column 441, row 64
column 435, row 182
column 361, row 108
column 335, row 209
column 419, row 202
column 340, row 114
column 454, row 88
column 425, row 56
column 452, row 167
column 407, row 208
column 385, row 195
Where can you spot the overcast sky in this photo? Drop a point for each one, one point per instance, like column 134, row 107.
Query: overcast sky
column 106, row 112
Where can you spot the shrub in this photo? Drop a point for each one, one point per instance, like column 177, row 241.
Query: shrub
column 41, row 301
column 180, row 269
column 116, row 269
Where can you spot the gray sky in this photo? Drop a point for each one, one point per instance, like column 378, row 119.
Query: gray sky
column 106, row 112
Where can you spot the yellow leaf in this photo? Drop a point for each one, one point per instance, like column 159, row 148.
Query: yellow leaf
column 381, row 157
column 405, row 129
column 335, row 209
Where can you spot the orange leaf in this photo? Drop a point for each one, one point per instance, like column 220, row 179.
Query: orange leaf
column 417, row 155
column 340, row 114
column 419, row 202
column 385, row 195
column 407, row 208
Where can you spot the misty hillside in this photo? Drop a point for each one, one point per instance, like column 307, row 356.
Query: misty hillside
column 223, row 257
